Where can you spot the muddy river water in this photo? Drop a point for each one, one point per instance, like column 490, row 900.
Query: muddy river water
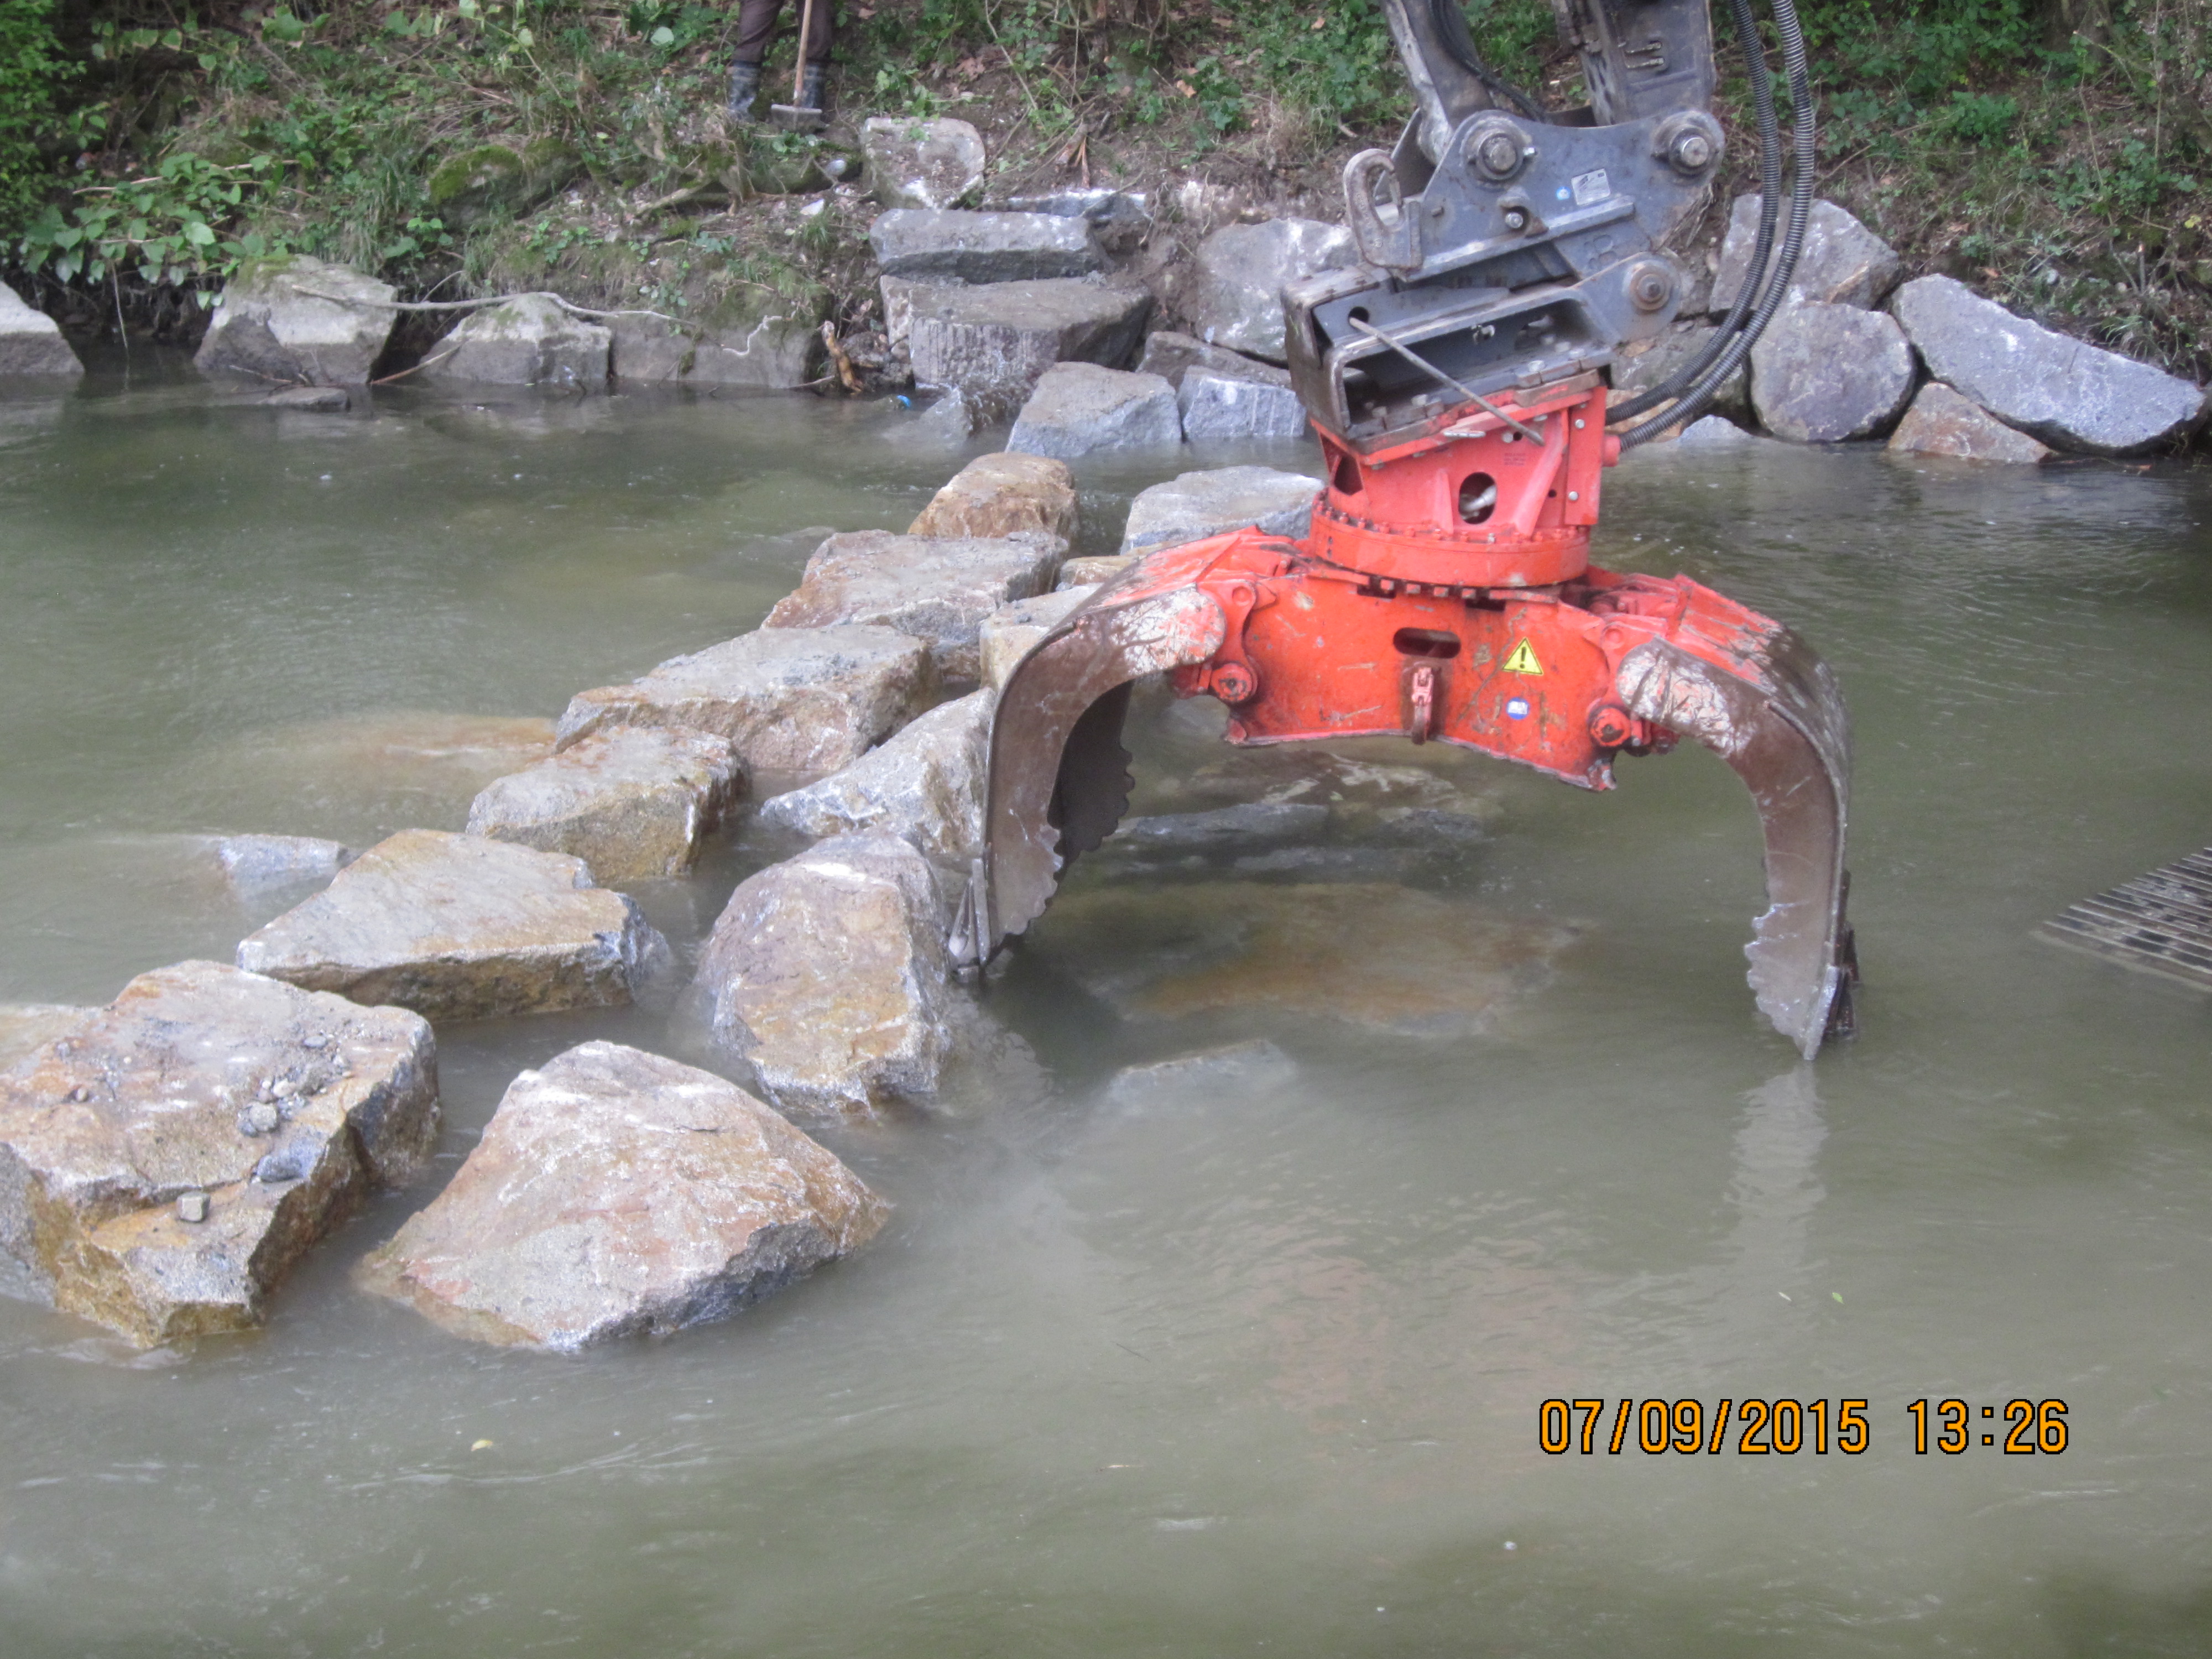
column 1215, row 1371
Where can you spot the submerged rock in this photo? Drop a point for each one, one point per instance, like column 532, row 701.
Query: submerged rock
column 1080, row 407
column 1942, row 423
column 1842, row 262
column 1823, row 373
column 952, row 246
column 402, row 765
column 793, row 701
column 31, row 343
column 633, row 802
column 617, row 1194
column 166, row 1159
column 1241, row 270
column 254, row 864
column 827, row 974
column 933, row 588
column 1008, row 634
column 1242, row 1069
column 998, row 495
column 924, row 785
column 1197, row 505
column 530, row 340
column 298, row 319
column 460, row 927
column 918, row 162
column 1222, row 832
column 995, row 342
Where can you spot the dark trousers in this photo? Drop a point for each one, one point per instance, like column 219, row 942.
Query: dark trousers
column 757, row 27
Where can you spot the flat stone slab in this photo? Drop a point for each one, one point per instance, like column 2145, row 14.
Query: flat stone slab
column 998, row 495
column 527, row 341
column 914, row 161
column 26, row 1026
column 1217, row 407
column 298, row 319
column 632, row 802
column 950, row 244
column 995, row 342
column 1010, row 633
column 1824, row 374
column 933, row 588
column 1080, row 407
column 2070, row 394
column 32, row 347
column 1942, row 423
column 166, row 1160
column 1239, row 273
column 461, row 927
column 794, row 703
column 924, row 785
column 827, row 974
column 1196, row 504
column 1171, row 355
column 1841, row 262
column 617, row 1194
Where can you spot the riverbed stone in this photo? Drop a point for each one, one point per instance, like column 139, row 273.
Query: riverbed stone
column 1239, row 273
column 1195, row 505
column 998, row 495
column 1842, row 262
column 1009, row 633
column 617, row 1193
column 1244, row 1070
column 933, row 588
column 1942, row 423
column 254, row 864
column 1676, row 349
column 1171, row 355
column 1822, row 374
column 957, row 246
column 530, row 340
column 770, row 343
column 1080, row 407
column 633, row 802
column 1222, row 832
column 995, row 342
column 827, row 975
column 106, row 1126
column 1217, row 407
column 298, row 319
column 462, row 927
column 32, row 347
column 924, row 784
column 917, row 163
column 795, row 703
column 2070, row 394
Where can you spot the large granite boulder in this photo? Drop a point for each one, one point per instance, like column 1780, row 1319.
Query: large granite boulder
column 1822, row 374
column 994, row 342
column 1171, row 355
column 2072, row 395
column 632, row 802
column 31, row 343
column 1010, row 633
column 1239, row 273
column 1217, row 407
column 914, row 163
column 827, row 974
column 1197, row 505
column 298, row 319
column 27, row 1026
column 924, row 785
column 794, row 703
column 616, row 1193
column 769, row 342
column 1119, row 218
column 932, row 588
column 1942, row 423
column 998, row 495
column 1080, row 407
column 954, row 246
column 530, row 340
column 166, row 1160
column 1842, row 262
column 461, row 927
column 898, row 296
column 1677, row 349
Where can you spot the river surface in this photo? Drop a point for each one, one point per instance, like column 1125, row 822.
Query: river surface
column 1222, row 1371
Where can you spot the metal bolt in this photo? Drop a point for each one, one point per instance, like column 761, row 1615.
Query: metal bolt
column 1693, row 152
column 1649, row 287
column 1233, row 683
column 1516, row 219
column 1575, row 495
column 1578, row 425
column 1497, row 154
column 1609, row 725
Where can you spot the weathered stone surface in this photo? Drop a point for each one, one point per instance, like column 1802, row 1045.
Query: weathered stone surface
column 1214, row 407
column 26, row 1026
column 1677, row 349
column 994, row 342
column 924, row 785
column 959, row 247
column 282, row 1106
column 772, row 345
column 1362, row 793
column 297, row 318
column 1241, row 1069
column 315, row 399
column 31, row 343
column 1009, row 633
column 1090, row 572
column 827, row 975
column 1080, row 407
column 1118, row 218
column 1250, row 828
column 1843, row 263
column 1715, row 432
column 617, row 1194
column 1821, row 373
column 1942, row 423
column 461, row 927
column 260, row 863
column 632, row 802
column 898, row 294
column 1171, row 355
column 527, row 341
column 917, row 163
column 936, row 589
column 1237, row 293
column 795, row 703
column 1201, row 504
column 998, row 495
column 471, row 186
column 2070, row 394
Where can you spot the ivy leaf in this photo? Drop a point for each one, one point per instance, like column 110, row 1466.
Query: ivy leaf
column 198, row 234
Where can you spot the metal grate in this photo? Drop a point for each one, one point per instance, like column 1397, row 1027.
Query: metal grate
column 2161, row 922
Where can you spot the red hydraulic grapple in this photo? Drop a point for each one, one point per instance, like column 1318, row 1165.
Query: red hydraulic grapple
column 1457, row 380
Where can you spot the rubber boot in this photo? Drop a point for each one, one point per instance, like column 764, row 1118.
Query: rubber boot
column 814, row 88
column 744, row 89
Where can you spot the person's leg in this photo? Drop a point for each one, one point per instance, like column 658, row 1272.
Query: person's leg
column 814, row 89
column 756, row 26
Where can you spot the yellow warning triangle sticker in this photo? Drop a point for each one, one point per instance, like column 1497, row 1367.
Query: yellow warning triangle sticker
column 1522, row 661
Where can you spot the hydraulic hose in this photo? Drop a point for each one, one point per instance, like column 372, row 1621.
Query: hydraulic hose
column 1459, row 40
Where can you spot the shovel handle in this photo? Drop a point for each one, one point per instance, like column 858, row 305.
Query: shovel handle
column 799, row 70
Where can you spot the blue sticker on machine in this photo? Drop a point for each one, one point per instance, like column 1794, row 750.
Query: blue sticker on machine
column 1517, row 708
